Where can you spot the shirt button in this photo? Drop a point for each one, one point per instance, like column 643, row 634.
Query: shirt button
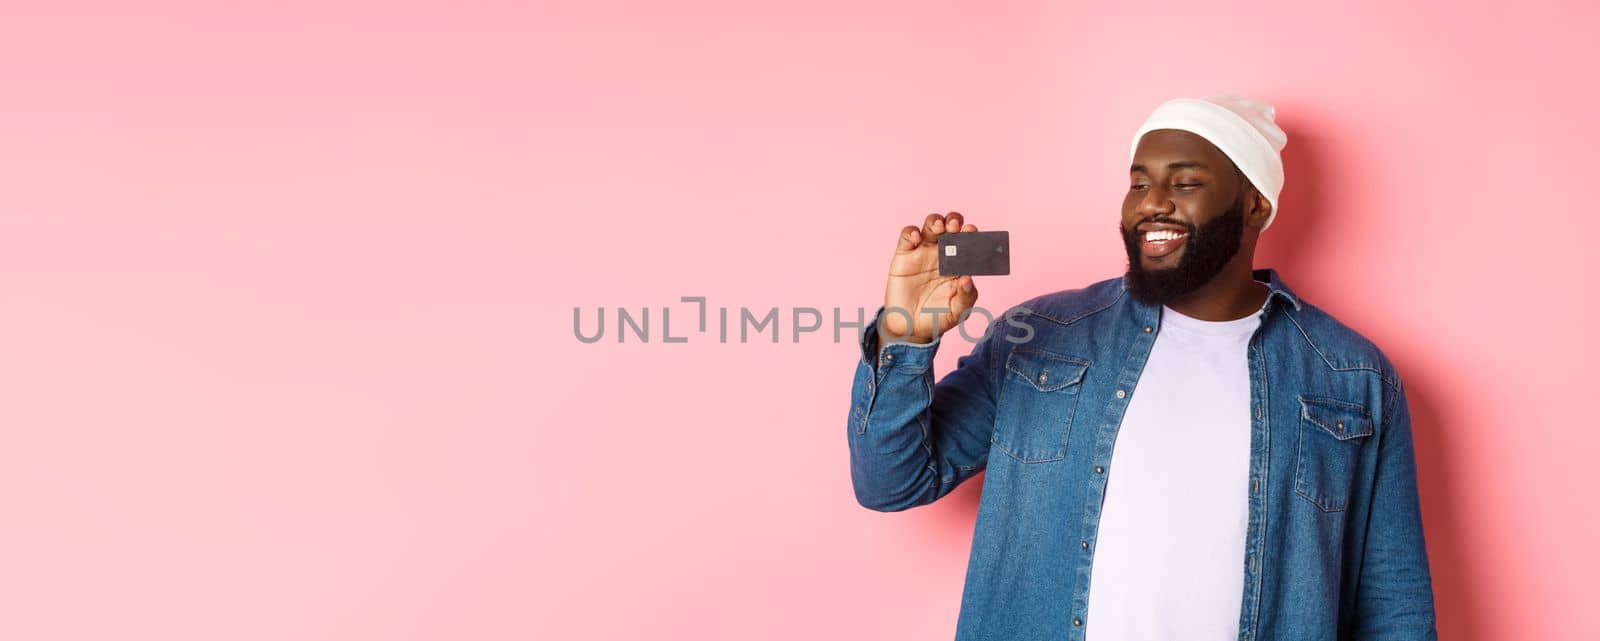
column 888, row 357
column 1043, row 376
column 1099, row 470
column 1147, row 329
column 1083, row 544
column 1077, row 621
column 1121, row 393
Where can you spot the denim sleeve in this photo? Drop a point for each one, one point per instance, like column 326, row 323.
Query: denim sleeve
column 1394, row 595
column 912, row 441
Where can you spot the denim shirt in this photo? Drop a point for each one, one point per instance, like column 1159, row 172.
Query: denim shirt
column 1334, row 548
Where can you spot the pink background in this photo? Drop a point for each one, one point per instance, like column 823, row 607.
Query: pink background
column 286, row 294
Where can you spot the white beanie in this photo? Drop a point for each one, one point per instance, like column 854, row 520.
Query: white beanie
column 1242, row 129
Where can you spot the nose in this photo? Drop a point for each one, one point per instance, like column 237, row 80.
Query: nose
column 1155, row 202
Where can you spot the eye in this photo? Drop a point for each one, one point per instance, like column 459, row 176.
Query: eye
column 1138, row 187
column 1189, row 185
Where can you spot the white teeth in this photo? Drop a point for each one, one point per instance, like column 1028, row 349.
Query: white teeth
column 1151, row 236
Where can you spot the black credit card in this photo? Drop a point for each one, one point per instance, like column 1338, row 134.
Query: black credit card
column 975, row 253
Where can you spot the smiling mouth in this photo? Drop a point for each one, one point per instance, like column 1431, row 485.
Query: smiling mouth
column 1156, row 244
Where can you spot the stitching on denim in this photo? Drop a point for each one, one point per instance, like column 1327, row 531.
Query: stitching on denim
column 1266, row 477
column 1314, row 347
column 994, row 435
column 872, row 398
column 1300, row 450
column 1306, row 403
column 1082, row 367
column 1066, row 428
column 996, row 443
column 1389, row 412
column 1309, row 401
column 1077, row 318
column 1388, row 415
column 923, row 419
column 1293, row 301
column 1317, row 503
column 1299, row 463
column 878, row 376
column 1072, row 410
column 1393, row 403
column 1066, row 433
column 1315, row 399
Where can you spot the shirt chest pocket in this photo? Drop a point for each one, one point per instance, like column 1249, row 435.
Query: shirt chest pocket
column 1331, row 435
column 1038, row 399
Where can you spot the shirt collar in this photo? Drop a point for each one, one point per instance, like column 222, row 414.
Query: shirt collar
column 1276, row 288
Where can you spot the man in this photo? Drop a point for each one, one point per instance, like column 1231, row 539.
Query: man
column 1190, row 451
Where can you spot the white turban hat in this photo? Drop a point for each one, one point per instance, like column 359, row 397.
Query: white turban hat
column 1242, row 129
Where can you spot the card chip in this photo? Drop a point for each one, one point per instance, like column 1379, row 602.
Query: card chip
column 949, row 250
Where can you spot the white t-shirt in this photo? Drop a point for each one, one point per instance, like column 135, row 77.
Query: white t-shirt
column 1169, row 555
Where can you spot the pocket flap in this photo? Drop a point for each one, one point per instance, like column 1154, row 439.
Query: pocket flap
column 1342, row 420
column 1046, row 371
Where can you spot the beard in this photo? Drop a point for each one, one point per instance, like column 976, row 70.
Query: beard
column 1206, row 250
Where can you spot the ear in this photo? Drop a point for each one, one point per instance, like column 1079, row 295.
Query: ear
column 1258, row 210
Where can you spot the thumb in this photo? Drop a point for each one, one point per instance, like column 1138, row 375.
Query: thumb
column 966, row 296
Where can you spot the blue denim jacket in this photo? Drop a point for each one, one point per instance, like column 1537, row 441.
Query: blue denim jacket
column 1334, row 548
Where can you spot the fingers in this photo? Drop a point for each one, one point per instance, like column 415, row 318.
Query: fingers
column 936, row 224
column 910, row 238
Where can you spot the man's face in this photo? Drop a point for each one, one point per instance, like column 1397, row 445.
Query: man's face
column 1183, row 217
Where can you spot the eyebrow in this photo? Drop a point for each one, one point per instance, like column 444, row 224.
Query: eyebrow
column 1181, row 164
